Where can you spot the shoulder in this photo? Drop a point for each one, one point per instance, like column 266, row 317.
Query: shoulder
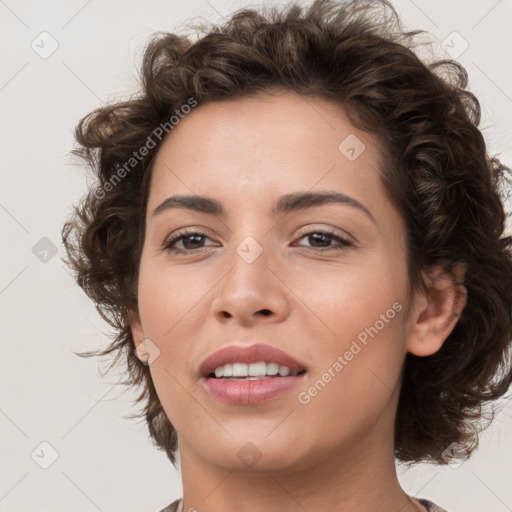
column 431, row 507
column 172, row 507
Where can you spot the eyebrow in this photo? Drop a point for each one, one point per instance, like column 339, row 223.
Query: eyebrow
column 286, row 204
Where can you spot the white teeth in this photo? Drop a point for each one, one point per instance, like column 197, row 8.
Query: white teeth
column 260, row 369
column 240, row 370
column 257, row 369
column 284, row 371
column 272, row 369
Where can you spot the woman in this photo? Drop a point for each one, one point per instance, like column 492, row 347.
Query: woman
column 297, row 232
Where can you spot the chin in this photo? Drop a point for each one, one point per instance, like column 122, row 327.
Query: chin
column 253, row 454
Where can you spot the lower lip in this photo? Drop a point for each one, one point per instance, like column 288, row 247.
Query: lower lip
column 248, row 392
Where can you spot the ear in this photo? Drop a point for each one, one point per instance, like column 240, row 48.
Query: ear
column 436, row 309
column 138, row 337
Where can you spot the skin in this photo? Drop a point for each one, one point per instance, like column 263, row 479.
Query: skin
column 335, row 452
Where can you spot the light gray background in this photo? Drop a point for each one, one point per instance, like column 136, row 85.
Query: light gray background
column 48, row 394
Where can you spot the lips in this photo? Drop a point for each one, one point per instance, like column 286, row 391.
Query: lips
column 248, row 354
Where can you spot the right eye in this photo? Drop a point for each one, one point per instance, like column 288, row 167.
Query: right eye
column 190, row 241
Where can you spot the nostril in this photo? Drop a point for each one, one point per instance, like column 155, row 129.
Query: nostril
column 266, row 312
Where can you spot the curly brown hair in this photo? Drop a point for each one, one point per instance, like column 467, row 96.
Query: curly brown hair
column 437, row 173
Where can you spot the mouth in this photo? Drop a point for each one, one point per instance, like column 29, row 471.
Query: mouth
column 245, row 375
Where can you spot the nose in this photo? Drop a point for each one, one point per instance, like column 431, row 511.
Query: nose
column 251, row 292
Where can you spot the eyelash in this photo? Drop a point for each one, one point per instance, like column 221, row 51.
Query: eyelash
column 344, row 243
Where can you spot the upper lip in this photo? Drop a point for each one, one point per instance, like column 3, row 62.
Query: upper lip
column 248, row 354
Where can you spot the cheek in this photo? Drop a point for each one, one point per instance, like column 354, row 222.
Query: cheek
column 356, row 382
column 352, row 301
column 359, row 355
column 168, row 298
column 169, row 303
column 167, row 324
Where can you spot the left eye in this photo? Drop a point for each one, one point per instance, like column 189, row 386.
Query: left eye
column 324, row 237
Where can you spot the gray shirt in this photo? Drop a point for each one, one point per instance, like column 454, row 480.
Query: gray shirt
column 176, row 506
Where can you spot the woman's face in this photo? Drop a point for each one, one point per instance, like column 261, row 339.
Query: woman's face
column 261, row 273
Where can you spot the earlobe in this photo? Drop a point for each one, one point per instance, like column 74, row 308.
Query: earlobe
column 138, row 337
column 437, row 309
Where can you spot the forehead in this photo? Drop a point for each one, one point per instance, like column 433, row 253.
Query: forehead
column 264, row 146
